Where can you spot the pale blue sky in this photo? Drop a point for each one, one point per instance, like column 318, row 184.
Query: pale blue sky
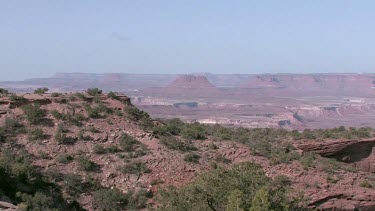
column 41, row 37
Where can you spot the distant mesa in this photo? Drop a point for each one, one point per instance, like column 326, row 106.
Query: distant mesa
column 190, row 82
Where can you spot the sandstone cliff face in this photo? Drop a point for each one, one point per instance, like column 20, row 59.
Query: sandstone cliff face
column 191, row 82
column 360, row 153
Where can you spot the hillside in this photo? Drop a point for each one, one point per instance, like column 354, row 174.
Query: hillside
column 96, row 151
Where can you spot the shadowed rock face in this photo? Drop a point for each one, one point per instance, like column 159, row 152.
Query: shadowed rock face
column 359, row 153
column 191, row 82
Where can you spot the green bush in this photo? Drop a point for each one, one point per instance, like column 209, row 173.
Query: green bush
column 72, row 185
column 366, row 184
column 176, row 144
column 113, row 95
column 64, row 158
column 33, row 113
column 94, row 91
column 3, row 91
column 109, row 200
column 12, row 127
column 55, row 94
column 128, row 143
column 41, row 90
column 135, row 167
column 36, row 134
column 192, row 158
column 194, row 131
column 14, row 97
column 241, row 187
column 99, row 149
column 85, row 164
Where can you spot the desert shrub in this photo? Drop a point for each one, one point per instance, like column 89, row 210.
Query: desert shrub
column 36, row 134
column 141, row 117
column 307, row 160
column 109, row 200
column 281, row 181
column 60, row 135
column 128, row 143
column 38, row 201
column 64, row 158
column 212, row 146
column 99, row 149
column 113, row 95
column 366, row 184
column 56, row 114
column 3, row 91
column 192, row 157
column 176, row 144
column 194, row 131
column 93, row 130
column 33, row 113
column 135, row 167
column 94, row 91
column 72, row 185
column 12, row 127
column 41, row 90
column 170, row 127
column 80, row 95
column 222, row 159
column 96, row 112
column 55, row 94
column 138, row 200
column 81, row 136
column 85, row 164
column 14, row 97
column 223, row 189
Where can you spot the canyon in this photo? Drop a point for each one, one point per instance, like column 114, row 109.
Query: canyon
column 291, row 101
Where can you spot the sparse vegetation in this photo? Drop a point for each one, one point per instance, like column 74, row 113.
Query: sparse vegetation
column 94, row 91
column 41, row 90
column 85, row 164
column 64, row 158
column 36, row 134
column 135, row 167
column 33, row 113
column 176, row 144
column 192, row 157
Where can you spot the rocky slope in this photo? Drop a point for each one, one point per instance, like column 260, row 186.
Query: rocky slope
column 104, row 140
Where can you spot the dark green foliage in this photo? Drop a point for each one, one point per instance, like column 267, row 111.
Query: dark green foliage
column 72, row 184
column 80, row 95
column 192, row 157
column 225, row 189
column 307, row 160
column 12, row 127
column 94, row 91
column 81, row 136
column 86, row 164
column 113, row 95
column 61, row 137
column 36, row 134
column 334, row 133
column 135, row 167
column 74, row 119
column 14, row 97
column 141, row 117
column 195, row 131
column 64, row 158
column 3, row 91
column 128, row 143
column 170, row 127
column 99, row 149
column 55, row 94
column 33, row 113
column 176, row 144
column 366, row 184
column 16, row 171
column 97, row 111
column 109, row 200
column 41, row 90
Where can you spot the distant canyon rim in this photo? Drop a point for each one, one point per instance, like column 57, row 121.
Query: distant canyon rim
column 290, row 101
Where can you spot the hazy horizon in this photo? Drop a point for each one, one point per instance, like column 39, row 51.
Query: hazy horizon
column 40, row 38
